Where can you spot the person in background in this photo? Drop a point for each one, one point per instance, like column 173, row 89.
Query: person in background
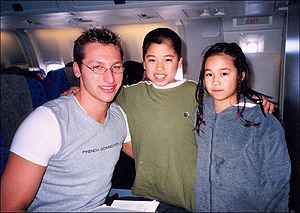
column 160, row 116
column 133, row 72
column 124, row 173
column 243, row 163
column 37, row 74
column 68, row 164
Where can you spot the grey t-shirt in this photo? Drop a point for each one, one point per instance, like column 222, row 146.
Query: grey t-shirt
column 78, row 177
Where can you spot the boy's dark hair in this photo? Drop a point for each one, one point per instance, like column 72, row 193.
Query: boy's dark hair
column 100, row 35
column 243, row 90
column 161, row 35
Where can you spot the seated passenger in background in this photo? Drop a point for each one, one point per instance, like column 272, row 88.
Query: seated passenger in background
column 72, row 79
column 124, row 173
column 39, row 75
column 67, row 165
column 133, row 72
column 243, row 163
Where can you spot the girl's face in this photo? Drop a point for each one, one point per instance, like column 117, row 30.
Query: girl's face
column 161, row 63
column 220, row 80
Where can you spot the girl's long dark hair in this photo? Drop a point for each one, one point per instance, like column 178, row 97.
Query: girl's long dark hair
column 243, row 90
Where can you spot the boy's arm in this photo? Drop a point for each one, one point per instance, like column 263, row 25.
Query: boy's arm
column 70, row 91
column 19, row 183
column 268, row 106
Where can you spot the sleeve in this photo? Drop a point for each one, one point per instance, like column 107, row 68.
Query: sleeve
column 128, row 137
column 276, row 167
column 120, row 100
column 38, row 137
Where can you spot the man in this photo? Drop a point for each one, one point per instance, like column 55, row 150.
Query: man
column 68, row 164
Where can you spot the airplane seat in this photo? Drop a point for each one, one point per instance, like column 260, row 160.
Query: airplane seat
column 37, row 92
column 4, row 151
column 43, row 72
column 72, row 79
column 16, row 105
column 123, row 177
column 55, row 83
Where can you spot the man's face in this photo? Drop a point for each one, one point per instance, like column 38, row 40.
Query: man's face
column 100, row 86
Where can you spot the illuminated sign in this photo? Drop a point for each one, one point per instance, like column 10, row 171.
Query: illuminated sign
column 252, row 20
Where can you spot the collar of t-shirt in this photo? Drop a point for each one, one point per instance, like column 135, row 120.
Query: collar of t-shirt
column 170, row 85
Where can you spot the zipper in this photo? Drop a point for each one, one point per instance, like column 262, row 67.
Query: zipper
column 210, row 163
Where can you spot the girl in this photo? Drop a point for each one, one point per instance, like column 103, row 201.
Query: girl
column 243, row 162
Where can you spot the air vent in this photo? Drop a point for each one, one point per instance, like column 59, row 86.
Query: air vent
column 148, row 16
column 197, row 13
column 27, row 21
column 81, row 20
column 125, row 17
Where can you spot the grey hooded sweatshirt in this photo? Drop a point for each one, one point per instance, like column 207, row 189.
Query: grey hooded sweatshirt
column 241, row 169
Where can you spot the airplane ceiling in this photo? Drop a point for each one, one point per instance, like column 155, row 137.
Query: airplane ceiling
column 54, row 14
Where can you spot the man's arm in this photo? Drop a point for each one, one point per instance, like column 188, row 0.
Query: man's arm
column 19, row 183
column 127, row 149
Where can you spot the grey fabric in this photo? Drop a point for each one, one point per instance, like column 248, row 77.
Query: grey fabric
column 16, row 104
column 241, row 169
column 78, row 176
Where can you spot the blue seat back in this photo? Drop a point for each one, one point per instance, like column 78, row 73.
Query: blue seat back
column 55, row 83
column 37, row 92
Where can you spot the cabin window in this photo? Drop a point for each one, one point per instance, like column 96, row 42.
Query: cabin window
column 252, row 47
column 252, row 43
column 179, row 74
column 53, row 66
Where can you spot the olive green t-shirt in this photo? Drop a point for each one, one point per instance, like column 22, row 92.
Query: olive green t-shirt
column 161, row 126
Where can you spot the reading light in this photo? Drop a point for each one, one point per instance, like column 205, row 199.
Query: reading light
column 219, row 11
column 252, row 47
column 205, row 12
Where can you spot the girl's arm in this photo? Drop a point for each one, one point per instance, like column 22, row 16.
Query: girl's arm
column 276, row 168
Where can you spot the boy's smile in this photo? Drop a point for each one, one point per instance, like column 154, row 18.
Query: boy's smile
column 161, row 63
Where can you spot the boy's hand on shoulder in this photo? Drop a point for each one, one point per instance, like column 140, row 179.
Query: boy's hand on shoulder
column 70, row 91
column 269, row 107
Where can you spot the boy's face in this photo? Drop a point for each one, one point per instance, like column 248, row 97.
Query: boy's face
column 99, row 86
column 161, row 63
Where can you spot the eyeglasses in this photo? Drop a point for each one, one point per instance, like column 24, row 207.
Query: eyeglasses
column 117, row 69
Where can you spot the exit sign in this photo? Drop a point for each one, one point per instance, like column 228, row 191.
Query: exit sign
column 252, row 20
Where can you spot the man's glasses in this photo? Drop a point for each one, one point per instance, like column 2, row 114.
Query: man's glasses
column 117, row 69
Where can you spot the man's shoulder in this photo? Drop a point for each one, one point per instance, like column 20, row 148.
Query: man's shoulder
column 58, row 101
column 116, row 108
